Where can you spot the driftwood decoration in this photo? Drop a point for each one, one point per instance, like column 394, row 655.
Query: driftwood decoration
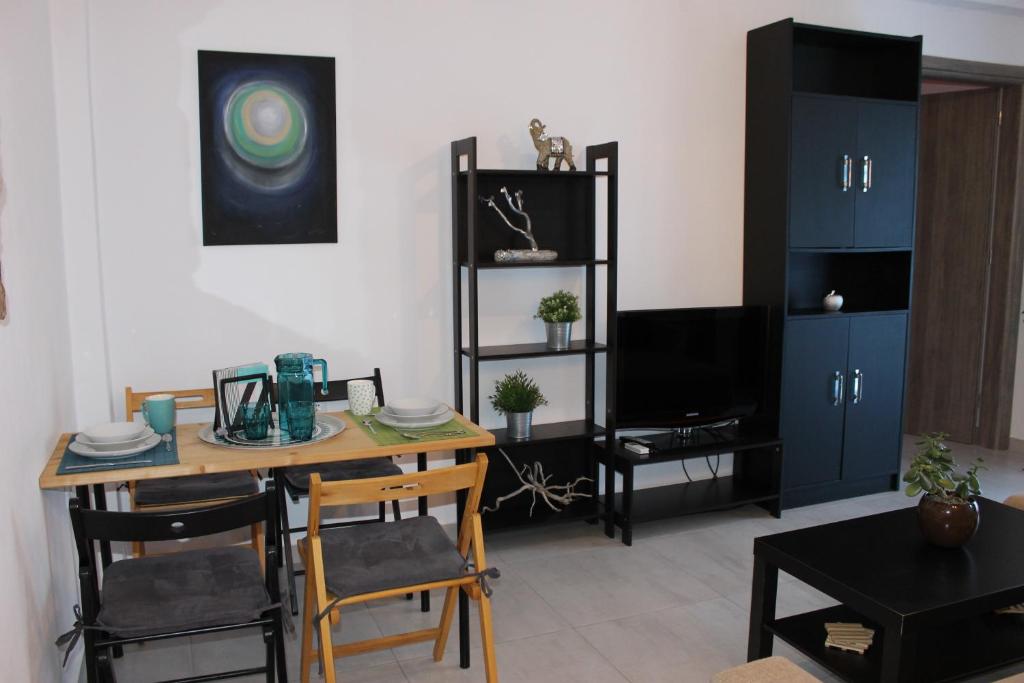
column 535, row 482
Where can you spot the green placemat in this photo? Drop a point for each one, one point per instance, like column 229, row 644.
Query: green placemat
column 383, row 435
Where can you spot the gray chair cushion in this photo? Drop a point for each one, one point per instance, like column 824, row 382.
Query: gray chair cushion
column 177, row 490
column 382, row 555
column 179, row 591
column 366, row 468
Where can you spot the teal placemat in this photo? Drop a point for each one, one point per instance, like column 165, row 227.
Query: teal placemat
column 158, row 455
column 387, row 436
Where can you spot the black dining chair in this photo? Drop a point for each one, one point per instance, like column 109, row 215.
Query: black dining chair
column 295, row 481
column 180, row 594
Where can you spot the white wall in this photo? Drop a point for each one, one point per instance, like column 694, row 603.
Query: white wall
column 37, row 571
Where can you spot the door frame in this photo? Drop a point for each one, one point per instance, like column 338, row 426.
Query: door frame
column 1006, row 271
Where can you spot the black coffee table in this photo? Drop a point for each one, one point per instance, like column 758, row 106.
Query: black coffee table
column 932, row 608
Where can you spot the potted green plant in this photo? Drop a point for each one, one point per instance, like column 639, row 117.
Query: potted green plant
column 559, row 311
column 516, row 396
column 948, row 512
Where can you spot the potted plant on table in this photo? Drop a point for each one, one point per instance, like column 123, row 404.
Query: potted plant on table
column 559, row 311
column 948, row 512
column 516, row 396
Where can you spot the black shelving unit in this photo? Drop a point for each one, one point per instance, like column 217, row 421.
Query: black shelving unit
column 831, row 158
column 564, row 203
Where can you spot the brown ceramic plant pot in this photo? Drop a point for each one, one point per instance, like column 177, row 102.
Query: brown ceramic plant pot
column 946, row 524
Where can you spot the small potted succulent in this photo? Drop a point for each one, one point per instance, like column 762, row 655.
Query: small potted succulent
column 515, row 396
column 948, row 512
column 559, row 311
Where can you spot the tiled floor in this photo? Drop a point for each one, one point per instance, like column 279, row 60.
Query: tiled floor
column 572, row 605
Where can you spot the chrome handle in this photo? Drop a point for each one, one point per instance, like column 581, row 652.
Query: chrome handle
column 838, row 386
column 865, row 174
column 858, row 386
column 846, row 173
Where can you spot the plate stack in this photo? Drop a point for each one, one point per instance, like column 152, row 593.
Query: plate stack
column 849, row 637
column 414, row 413
column 114, row 440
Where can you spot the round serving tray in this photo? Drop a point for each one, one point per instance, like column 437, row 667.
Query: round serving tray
column 327, row 426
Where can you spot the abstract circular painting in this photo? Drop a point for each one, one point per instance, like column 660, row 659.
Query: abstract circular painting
column 268, row 150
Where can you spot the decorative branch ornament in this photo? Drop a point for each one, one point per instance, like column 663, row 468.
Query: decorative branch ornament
column 533, row 253
column 535, row 482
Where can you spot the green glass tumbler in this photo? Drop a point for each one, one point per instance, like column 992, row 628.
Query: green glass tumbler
column 256, row 420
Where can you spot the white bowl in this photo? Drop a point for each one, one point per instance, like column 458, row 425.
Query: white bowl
column 413, row 407
column 113, row 432
column 115, row 445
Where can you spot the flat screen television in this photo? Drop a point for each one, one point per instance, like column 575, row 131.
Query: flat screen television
column 687, row 367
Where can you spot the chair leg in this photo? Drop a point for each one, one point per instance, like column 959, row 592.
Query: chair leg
column 306, row 649
column 447, row 613
column 257, row 545
column 487, row 639
column 138, row 549
column 271, row 647
column 380, row 511
column 282, row 664
column 326, row 645
column 92, row 671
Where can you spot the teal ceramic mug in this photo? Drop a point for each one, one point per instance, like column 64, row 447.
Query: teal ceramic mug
column 159, row 411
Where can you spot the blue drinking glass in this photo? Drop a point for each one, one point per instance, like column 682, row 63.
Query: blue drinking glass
column 301, row 418
column 256, row 420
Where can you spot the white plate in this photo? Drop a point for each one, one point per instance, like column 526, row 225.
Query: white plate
column 90, row 452
column 389, row 420
column 423, row 417
column 413, row 407
column 114, row 445
column 110, row 432
column 328, row 425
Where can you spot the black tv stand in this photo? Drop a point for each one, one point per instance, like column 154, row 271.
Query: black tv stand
column 756, row 476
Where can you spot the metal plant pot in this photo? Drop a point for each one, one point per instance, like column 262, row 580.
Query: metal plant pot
column 559, row 335
column 519, row 425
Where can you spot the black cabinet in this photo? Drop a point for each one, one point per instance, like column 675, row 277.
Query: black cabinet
column 830, row 192
column 852, row 173
column 842, row 398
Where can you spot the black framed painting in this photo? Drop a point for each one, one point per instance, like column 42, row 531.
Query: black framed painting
column 268, row 149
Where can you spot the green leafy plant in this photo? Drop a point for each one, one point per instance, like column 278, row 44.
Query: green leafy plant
column 934, row 472
column 516, row 393
column 560, row 307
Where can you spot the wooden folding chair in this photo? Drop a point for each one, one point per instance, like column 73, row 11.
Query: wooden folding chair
column 184, row 493
column 357, row 564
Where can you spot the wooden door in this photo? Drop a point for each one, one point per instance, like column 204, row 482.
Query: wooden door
column 886, row 165
column 874, row 396
column 814, row 373
column 821, row 211
column 956, row 190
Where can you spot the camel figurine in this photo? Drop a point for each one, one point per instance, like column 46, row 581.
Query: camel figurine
column 559, row 149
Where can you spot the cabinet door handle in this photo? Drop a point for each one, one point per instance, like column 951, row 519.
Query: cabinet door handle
column 838, row 387
column 857, row 394
column 846, row 173
column 865, row 174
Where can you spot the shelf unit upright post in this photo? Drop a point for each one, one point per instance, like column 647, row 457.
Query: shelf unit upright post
column 562, row 205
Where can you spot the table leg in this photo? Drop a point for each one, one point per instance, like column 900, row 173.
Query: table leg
column 462, row 457
column 609, row 492
column 627, row 505
column 285, row 536
column 762, row 608
column 421, row 502
column 99, row 492
column 899, row 651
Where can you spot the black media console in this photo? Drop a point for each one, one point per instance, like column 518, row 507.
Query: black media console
column 756, row 477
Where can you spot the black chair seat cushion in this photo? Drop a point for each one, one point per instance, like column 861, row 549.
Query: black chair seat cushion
column 373, row 557
column 297, row 477
column 181, row 591
column 177, row 490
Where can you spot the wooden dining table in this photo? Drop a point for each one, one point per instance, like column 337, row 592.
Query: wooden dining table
column 196, row 456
